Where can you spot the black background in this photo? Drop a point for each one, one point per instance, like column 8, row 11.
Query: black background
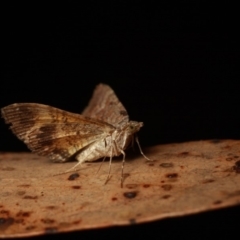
column 174, row 67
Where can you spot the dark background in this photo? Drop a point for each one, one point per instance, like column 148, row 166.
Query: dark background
column 174, row 67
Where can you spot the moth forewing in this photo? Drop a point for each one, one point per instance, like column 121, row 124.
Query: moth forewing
column 103, row 129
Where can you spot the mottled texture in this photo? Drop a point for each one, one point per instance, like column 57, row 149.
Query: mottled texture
column 103, row 130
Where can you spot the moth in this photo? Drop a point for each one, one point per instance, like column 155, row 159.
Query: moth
column 102, row 130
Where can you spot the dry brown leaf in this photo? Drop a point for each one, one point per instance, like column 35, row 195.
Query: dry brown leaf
column 184, row 178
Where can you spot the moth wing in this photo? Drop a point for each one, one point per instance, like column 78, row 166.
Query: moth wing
column 105, row 106
column 52, row 132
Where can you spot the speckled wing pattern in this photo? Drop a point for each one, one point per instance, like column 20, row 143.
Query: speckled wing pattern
column 52, row 132
column 105, row 106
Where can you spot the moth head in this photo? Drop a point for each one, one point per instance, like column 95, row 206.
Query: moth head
column 134, row 127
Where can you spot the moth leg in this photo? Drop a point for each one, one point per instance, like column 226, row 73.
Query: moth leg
column 74, row 167
column 123, row 162
column 80, row 161
column 140, row 149
column 100, row 165
column 124, row 156
column 110, row 161
column 69, row 170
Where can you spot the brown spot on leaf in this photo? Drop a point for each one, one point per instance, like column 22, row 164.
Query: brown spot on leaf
column 237, row 164
column 236, row 167
column 5, row 223
column 226, row 147
column 131, row 186
column 29, row 228
column 24, row 185
column 51, row 207
column 77, row 222
column 19, row 221
column 171, row 175
column 73, row 176
column 30, row 197
column 217, row 202
column 234, row 194
column 23, row 214
column 207, row 181
column 76, row 187
column 166, row 165
column 151, row 164
column 4, row 212
column 166, row 196
column 130, row 194
column 47, row 221
column 114, row 199
column 167, row 187
column 20, row 193
column 183, row 154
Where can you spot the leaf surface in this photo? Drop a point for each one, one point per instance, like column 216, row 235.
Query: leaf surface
column 182, row 179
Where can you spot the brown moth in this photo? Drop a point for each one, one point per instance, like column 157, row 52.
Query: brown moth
column 102, row 130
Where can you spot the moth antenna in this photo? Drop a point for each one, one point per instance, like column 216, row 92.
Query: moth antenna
column 140, row 149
